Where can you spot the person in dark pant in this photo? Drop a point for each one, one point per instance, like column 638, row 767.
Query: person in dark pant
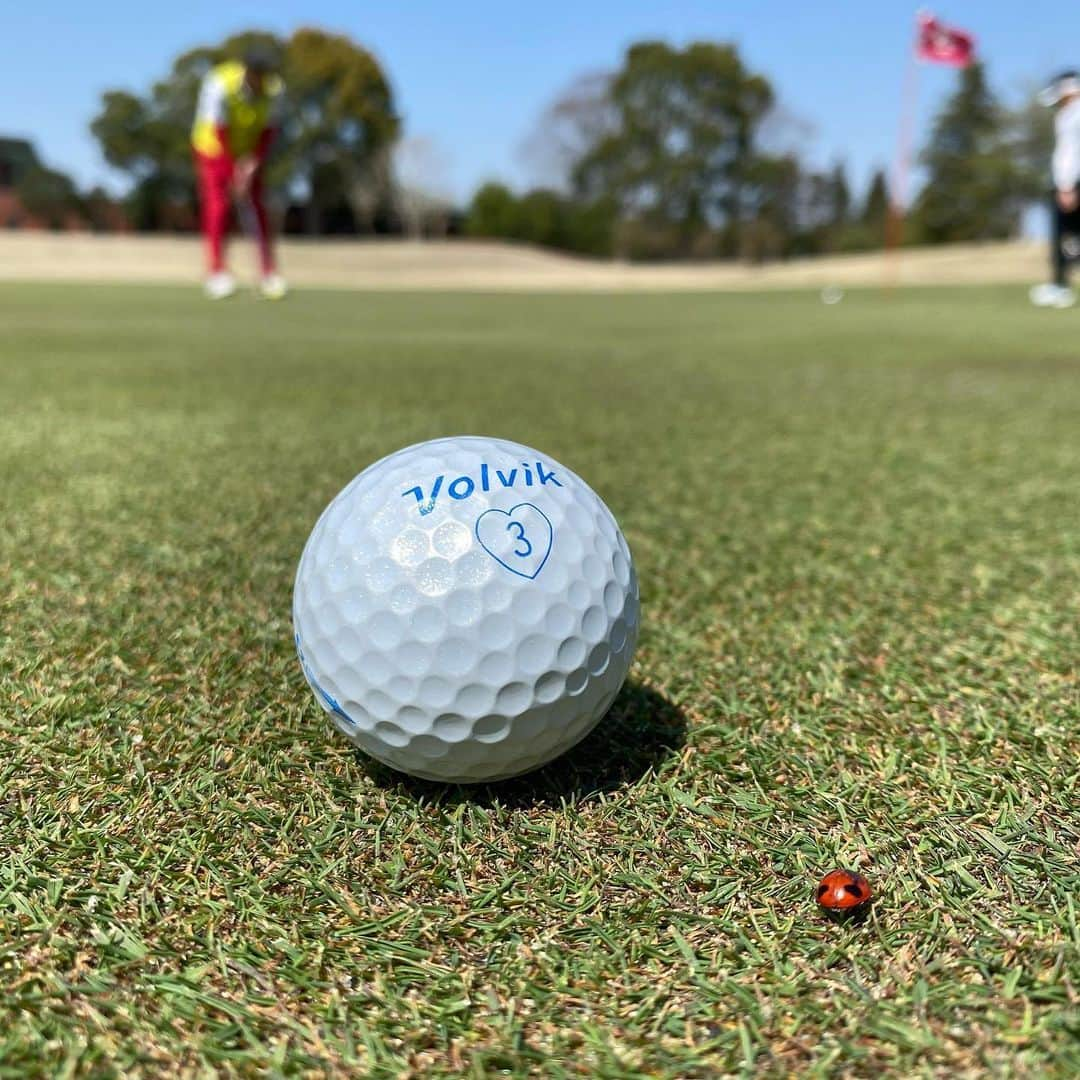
column 1063, row 94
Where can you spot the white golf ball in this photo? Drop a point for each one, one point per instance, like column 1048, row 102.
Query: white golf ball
column 466, row 609
column 832, row 294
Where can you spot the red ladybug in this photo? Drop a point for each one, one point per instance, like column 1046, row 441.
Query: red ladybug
column 843, row 891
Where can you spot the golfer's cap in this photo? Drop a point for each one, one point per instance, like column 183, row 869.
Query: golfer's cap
column 262, row 58
column 1068, row 82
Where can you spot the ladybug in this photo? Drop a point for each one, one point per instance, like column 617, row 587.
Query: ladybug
column 844, row 891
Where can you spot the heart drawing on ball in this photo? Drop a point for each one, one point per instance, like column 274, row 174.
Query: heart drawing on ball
column 519, row 538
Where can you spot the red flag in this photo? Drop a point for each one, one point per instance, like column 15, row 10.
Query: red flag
column 940, row 44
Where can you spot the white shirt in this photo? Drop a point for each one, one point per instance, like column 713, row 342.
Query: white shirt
column 1066, row 163
column 211, row 107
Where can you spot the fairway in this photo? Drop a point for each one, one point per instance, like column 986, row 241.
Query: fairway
column 858, row 541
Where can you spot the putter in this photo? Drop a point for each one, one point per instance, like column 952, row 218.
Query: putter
column 249, row 222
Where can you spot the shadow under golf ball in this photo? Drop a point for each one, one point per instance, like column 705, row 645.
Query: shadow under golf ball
column 640, row 731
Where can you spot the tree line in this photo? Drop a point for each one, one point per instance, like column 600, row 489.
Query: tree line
column 48, row 195
column 669, row 158
column 672, row 156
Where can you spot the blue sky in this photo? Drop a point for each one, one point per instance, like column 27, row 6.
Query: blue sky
column 472, row 78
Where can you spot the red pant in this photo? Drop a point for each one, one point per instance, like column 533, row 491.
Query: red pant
column 215, row 199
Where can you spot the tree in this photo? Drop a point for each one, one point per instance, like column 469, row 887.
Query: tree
column 679, row 152
column 339, row 124
column 772, row 201
column 423, row 187
column 542, row 216
column 101, row 212
column 875, row 208
column 17, row 156
column 865, row 227
column 975, row 189
column 47, row 194
column 862, row 229
column 568, row 129
column 493, row 212
column 589, row 226
column 839, row 197
column 815, row 213
column 1031, row 137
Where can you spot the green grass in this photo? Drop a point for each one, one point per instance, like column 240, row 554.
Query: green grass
column 858, row 537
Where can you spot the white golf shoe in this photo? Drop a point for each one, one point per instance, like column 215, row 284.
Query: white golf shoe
column 220, row 286
column 273, row 287
column 1052, row 296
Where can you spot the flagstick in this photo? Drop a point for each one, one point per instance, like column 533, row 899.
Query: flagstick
column 894, row 220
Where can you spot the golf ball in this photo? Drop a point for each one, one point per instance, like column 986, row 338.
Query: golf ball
column 466, row 609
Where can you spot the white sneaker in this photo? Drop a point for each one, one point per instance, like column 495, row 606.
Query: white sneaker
column 1052, row 296
column 273, row 287
column 220, row 286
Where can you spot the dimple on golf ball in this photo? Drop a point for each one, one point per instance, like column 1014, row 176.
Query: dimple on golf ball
column 466, row 609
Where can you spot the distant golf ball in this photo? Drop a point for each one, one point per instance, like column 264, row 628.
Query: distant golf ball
column 831, row 295
column 466, row 609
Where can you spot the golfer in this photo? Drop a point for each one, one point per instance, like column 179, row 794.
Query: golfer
column 1063, row 94
column 234, row 127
